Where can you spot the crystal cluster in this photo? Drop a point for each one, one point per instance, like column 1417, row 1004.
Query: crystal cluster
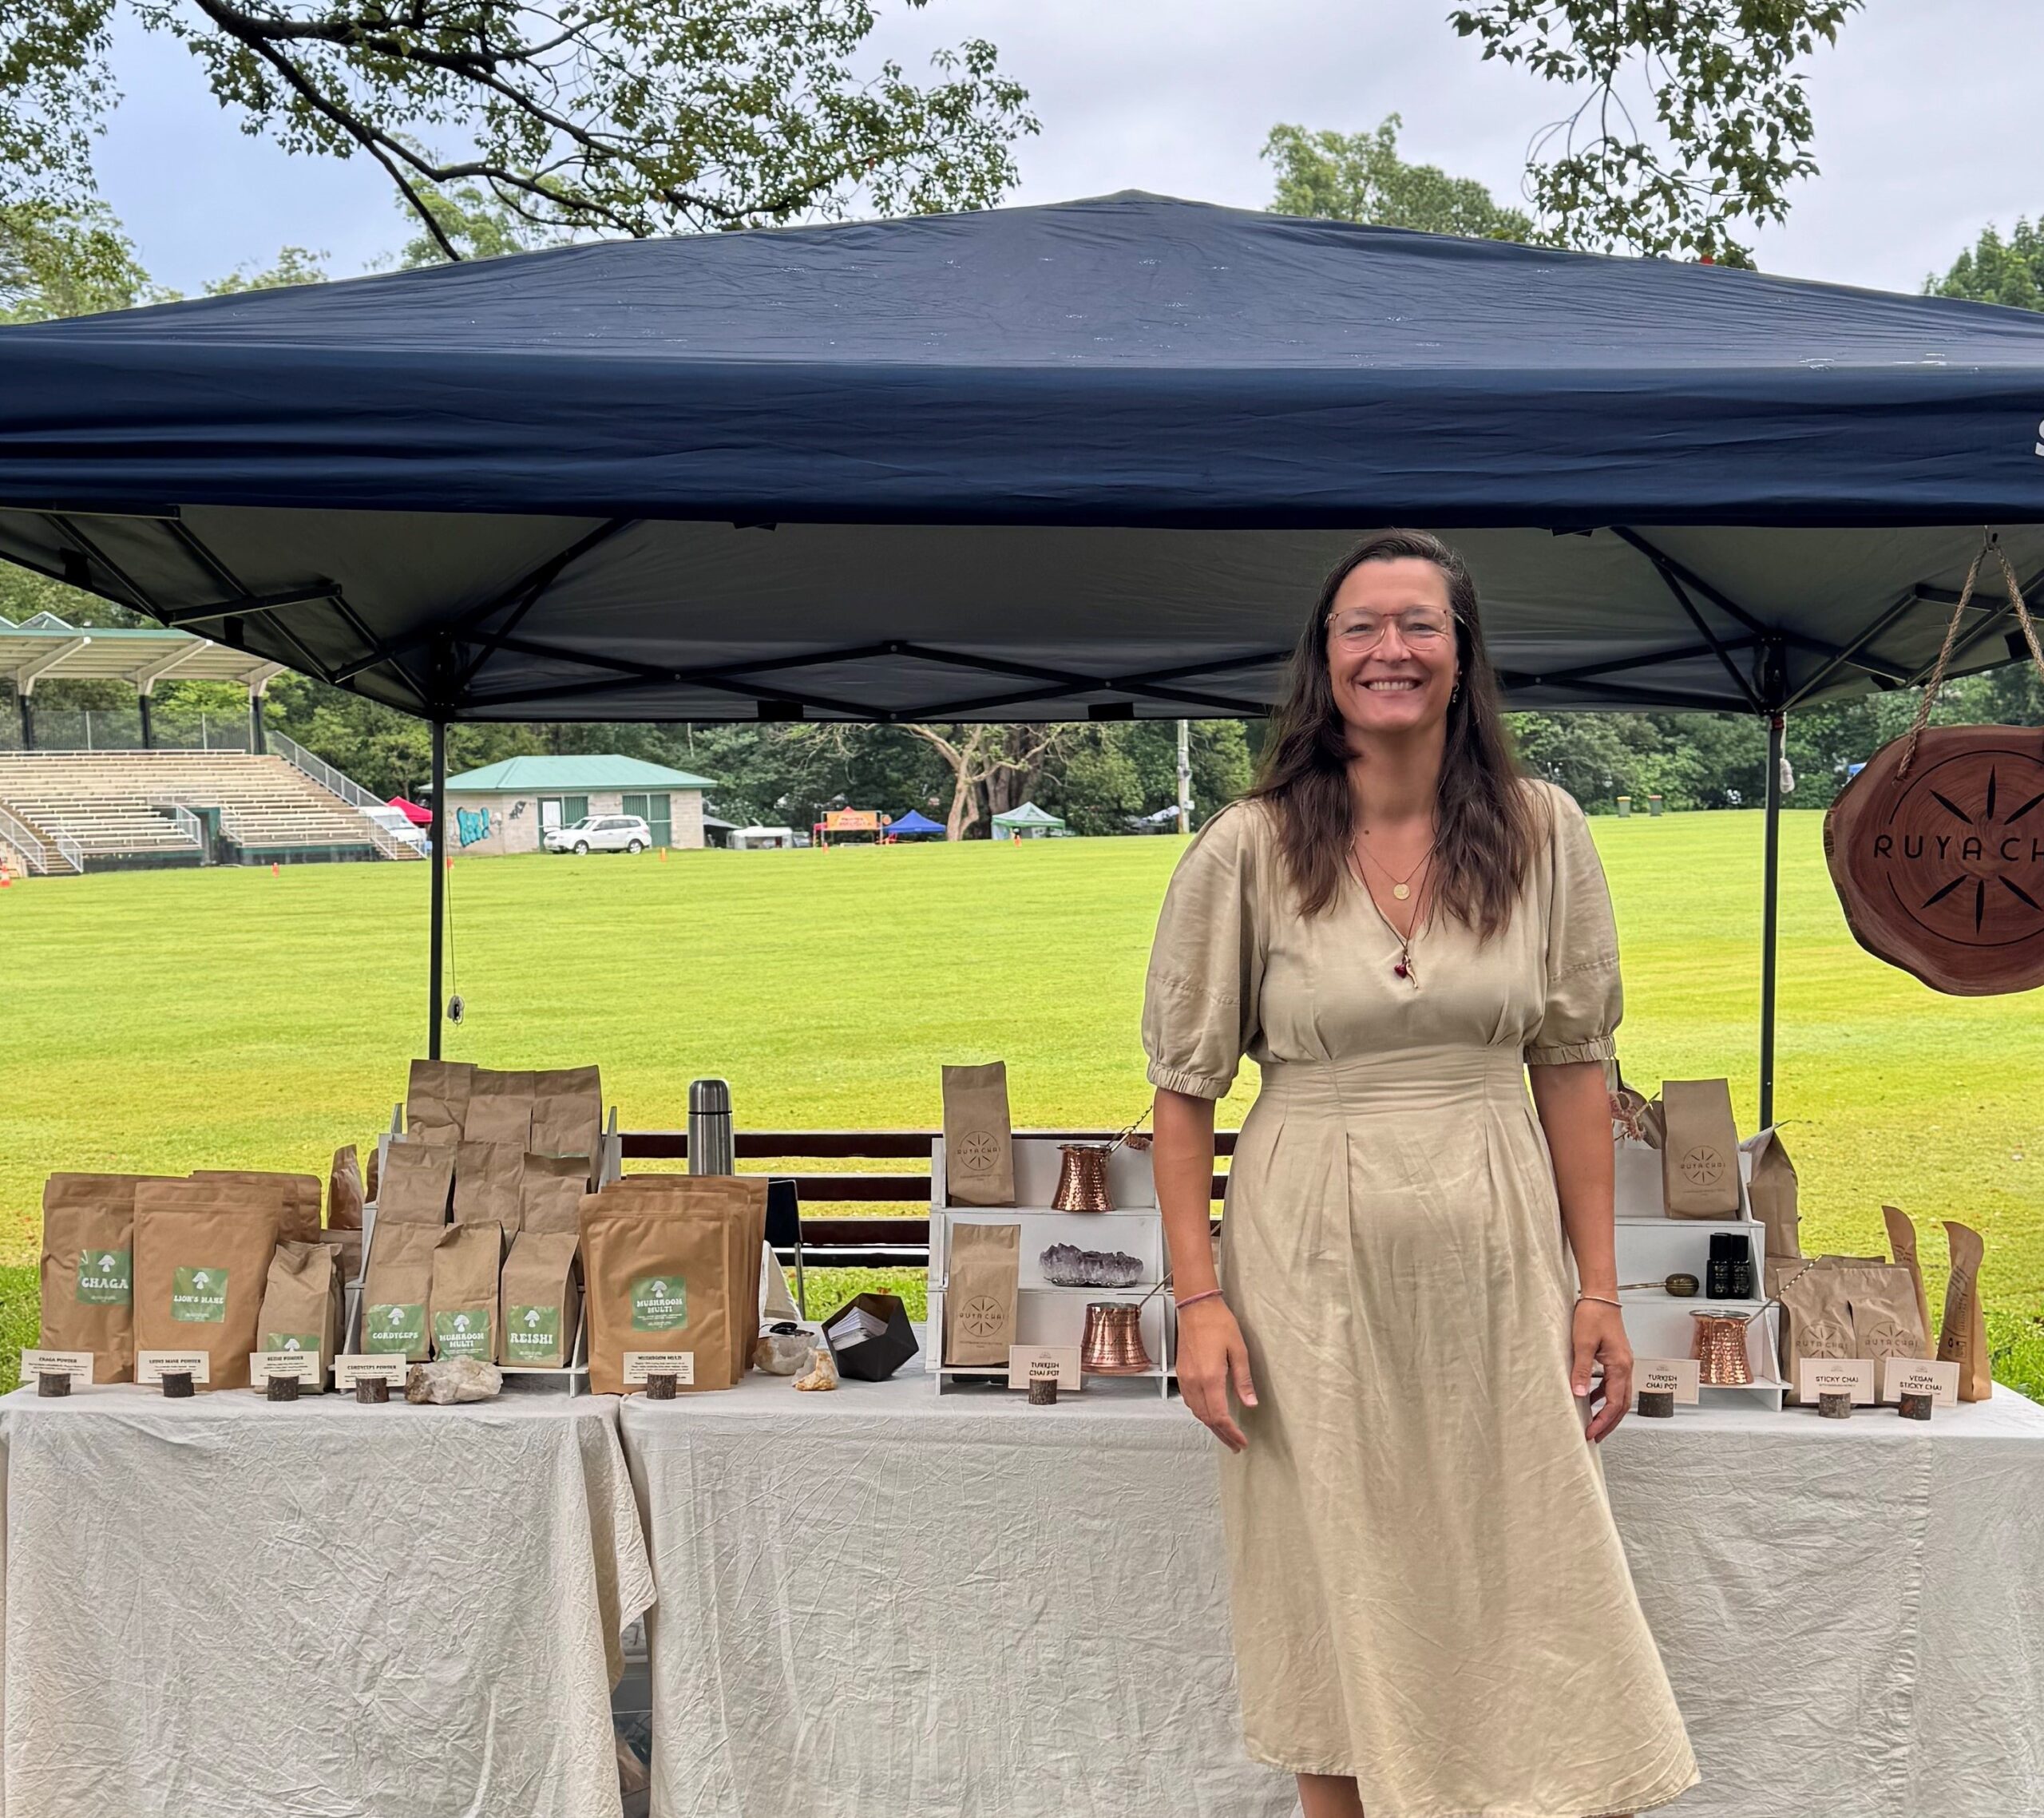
column 451, row 1379
column 1069, row 1266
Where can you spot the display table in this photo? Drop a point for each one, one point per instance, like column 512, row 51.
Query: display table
column 877, row 1602
column 220, row 1607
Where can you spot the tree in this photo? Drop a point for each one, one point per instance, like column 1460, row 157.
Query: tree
column 976, row 755
column 1359, row 176
column 66, row 259
column 1997, row 271
column 1731, row 122
column 612, row 117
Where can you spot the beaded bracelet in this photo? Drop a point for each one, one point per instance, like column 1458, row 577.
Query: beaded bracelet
column 1193, row 1300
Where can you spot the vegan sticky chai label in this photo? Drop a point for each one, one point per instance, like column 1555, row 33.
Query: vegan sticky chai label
column 532, row 1332
column 106, row 1277
column 461, row 1334
column 659, row 1303
column 199, row 1295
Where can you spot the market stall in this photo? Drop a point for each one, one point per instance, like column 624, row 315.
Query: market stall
column 1034, row 1599
column 224, row 1606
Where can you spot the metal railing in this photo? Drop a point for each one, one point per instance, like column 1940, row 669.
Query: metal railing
column 34, row 853
column 186, row 822
column 338, row 782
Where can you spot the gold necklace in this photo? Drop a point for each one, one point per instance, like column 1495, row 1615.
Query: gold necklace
column 1402, row 967
column 1400, row 887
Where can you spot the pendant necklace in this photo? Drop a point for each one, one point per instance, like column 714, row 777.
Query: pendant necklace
column 1402, row 967
column 1401, row 888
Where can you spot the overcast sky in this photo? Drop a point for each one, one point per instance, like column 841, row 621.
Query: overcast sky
column 1923, row 118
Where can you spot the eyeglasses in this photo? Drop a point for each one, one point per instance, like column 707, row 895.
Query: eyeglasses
column 1420, row 630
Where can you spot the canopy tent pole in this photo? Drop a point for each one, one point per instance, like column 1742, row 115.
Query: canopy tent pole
column 1770, row 913
column 439, row 857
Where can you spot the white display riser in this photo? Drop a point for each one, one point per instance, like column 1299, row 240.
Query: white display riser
column 1047, row 1313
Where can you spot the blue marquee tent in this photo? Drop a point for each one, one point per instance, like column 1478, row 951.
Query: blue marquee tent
column 914, row 821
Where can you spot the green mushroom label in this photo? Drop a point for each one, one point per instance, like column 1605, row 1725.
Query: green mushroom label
column 199, row 1295
column 531, row 1334
column 659, row 1303
column 394, row 1326
column 106, row 1277
column 290, row 1341
column 465, row 1334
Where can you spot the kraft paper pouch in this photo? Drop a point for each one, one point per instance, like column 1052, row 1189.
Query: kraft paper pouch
column 368, row 1173
column 500, row 1108
column 567, row 1113
column 978, row 1149
column 88, row 1270
column 1771, row 1190
column 979, row 1297
column 347, row 1246
column 397, row 1290
column 344, row 1191
column 466, row 1261
column 1963, row 1338
column 418, row 1179
column 653, row 1282
column 487, row 1177
column 298, row 1220
column 1816, row 1319
column 1882, row 1302
column 201, row 1270
column 1699, row 1150
column 1901, row 1240
column 437, row 1101
column 539, row 1302
column 302, row 1306
column 550, row 1189
column 739, row 1203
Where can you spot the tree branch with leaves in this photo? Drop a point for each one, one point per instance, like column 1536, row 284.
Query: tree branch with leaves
column 976, row 753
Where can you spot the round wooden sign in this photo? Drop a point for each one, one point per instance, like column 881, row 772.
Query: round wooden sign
column 1941, row 872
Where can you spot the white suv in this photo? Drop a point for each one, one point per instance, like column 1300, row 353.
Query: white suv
column 600, row 833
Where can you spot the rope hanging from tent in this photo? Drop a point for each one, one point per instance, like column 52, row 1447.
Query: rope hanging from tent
column 1988, row 543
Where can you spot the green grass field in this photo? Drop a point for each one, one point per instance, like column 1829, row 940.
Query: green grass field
column 167, row 1021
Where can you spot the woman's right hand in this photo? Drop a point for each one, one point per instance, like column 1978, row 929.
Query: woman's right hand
column 1211, row 1357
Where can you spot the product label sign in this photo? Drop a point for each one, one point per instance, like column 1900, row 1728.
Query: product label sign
column 76, row 1364
column 531, row 1334
column 1919, row 1376
column 394, row 1326
column 1064, row 1357
column 659, row 1303
column 352, row 1367
column 263, row 1364
column 1832, row 1375
column 291, row 1341
column 106, row 1277
column 199, row 1295
column 679, row 1365
column 150, row 1366
column 465, row 1334
column 1681, row 1375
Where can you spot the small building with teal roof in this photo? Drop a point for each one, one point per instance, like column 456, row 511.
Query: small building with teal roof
column 505, row 807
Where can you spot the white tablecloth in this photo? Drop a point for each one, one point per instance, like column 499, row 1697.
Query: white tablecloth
column 217, row 1607
column 874, row 1602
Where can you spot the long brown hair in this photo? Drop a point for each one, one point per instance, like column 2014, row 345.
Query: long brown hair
column 1485, row 821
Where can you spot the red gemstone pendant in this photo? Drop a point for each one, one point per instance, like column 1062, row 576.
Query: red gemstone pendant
column 1401, row 968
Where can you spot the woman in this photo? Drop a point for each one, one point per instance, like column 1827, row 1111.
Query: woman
column 1433, row 1613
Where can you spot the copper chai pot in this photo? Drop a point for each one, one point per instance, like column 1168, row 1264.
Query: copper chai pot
column 1082, row 1178
column 1113, row 1343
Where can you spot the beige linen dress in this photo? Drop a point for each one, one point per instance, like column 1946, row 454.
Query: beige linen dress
column 1428, row 1591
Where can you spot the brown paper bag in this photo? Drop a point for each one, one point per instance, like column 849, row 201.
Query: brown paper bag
column 539, row 1300
column 567, row 1113
column 980, row 1296
column 1699, row 1150
column 202, row 1265
column 1816, row 1319
column 397, row 1290
column 344, row 1194
column 1771, row 1191
column 654, row 1282
column 1963, row 1338
column 979, row 1147
column 739, row 1203
column 437, row 1101
column 297, row 1198
column 466, row 1261
column 419, row 1180
column 500, row 1108
column 550, row 1190
column 1882, row 1299
column 371, row 1168
column 1902, row 1241
column 487, row 1178
column 302, row 1306
column 89, row 1270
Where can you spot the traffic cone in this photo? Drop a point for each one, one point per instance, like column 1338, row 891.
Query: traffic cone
column 274, row 872
column 664, row 855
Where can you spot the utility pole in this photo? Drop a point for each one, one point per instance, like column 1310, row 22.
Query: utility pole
column 1185, row 776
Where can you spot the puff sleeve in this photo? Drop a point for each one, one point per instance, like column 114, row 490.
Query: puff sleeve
column 1199, row 998
column 1584, row 999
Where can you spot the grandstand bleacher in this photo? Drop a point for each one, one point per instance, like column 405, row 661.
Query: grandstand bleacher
column 105, row 810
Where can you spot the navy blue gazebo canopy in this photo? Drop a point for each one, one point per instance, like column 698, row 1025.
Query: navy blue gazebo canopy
column 914, row 821
column 1044, row 462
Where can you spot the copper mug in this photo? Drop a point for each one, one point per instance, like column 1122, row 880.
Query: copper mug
column 1720, row 1348
column 1113, row 1344
column 1082, row 1178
